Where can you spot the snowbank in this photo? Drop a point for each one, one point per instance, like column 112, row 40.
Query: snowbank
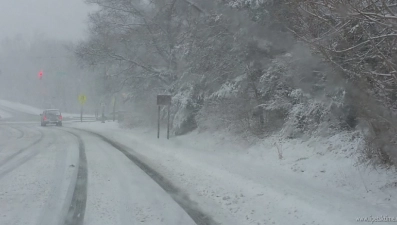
column 20, row 107
column 314, row 181
column 4, row 115
column 32, row 110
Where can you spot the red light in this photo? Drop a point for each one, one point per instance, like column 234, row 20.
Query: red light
column 45, row 118
column 40, row 75
column 60, row 117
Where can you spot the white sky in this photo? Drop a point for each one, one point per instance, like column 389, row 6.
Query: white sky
column 63, row 19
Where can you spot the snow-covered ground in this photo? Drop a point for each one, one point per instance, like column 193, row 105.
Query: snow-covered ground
column 30, row 109
column 40, row 169
column 122, row 193
column 4, row 114
column 20, row 107
column 277, row 181
column 317, row 181
column 35, row 175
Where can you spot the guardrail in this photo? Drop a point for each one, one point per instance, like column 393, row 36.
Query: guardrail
column 77, row 118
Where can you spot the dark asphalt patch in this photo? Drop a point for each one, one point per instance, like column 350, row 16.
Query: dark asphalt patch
column 77, row 206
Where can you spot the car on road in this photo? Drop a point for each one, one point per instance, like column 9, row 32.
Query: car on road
column 51, row 116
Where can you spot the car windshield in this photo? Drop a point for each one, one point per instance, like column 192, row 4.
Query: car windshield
column 198, row 112
column 53, row 112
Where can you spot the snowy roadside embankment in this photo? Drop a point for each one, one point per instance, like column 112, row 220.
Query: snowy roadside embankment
column 315, row 182
column 20, row 107
column 32, row 110
column 4, row 114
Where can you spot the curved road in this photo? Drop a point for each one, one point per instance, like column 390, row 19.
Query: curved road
column 52, row 175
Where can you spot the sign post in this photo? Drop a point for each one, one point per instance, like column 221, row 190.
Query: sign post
column 168, row 122
column 82, row 99
column 158, row 123
column 114, row 109
column 103, row 112
column 163, row 100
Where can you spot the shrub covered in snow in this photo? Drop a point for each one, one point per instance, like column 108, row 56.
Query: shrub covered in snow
column 236, row 65
column 185, row 105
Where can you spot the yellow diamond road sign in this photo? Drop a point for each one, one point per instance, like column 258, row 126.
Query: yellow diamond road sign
column 82, row 99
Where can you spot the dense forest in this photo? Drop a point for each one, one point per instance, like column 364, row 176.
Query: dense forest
column 293, row 68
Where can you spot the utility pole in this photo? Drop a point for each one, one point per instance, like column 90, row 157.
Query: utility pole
column 114, row 108
column 103, row 112
column 158, row 122
column 42, row 88
column 81, row 114
column 168, row 122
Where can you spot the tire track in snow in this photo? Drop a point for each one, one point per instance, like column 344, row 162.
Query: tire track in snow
column 32, row 198
column 77, row 206
column 21, row 133
column 4, row 132
column 53, row 213
column 14, row 164
column 22, row 149
column 7, row 160
column 6, row 135
column 181, row 198
column 125, row 195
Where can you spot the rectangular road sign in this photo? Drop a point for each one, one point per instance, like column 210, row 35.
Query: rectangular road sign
column 163, row 99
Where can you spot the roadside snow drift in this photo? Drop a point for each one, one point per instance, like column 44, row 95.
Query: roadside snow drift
column 20, row 107
column 316, row 181
column 4, row 114
column 32, row 110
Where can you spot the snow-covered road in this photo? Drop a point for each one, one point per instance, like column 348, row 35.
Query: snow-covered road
column 53, row 175
column 97, row 173
column 35, row 174
column 236, row 188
